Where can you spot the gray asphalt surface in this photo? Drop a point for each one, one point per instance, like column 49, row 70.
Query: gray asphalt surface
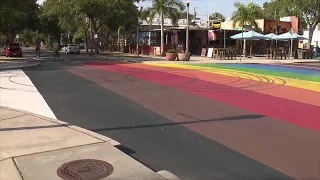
column 152, row 139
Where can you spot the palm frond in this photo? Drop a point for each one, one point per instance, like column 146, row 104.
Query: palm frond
column 246, row 14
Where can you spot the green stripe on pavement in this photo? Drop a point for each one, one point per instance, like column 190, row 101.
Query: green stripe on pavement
column 263, row 71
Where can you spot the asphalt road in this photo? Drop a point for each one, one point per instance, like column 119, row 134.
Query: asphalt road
column 137, row 114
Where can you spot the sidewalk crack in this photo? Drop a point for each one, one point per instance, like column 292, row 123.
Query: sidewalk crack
column 15, row 163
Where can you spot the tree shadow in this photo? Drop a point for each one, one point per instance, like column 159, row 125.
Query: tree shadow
column 195, row 120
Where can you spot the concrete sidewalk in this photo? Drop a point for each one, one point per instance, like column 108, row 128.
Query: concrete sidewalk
column 34, row 147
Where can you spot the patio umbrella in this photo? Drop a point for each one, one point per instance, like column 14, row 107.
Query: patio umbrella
column 250, row 35
column 289, row 36
column 270, row 36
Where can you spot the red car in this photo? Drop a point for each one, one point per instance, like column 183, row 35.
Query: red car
column 14, row 49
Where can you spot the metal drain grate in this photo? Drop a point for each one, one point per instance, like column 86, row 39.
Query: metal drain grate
column 85, row 169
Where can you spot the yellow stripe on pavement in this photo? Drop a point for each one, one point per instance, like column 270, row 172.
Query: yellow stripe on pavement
column 310, row 85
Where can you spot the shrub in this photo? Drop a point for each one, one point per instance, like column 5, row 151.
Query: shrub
column 171, row 51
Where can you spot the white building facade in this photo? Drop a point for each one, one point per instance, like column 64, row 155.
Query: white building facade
column 315, row 38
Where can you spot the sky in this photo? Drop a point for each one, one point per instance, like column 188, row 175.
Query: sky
column 203, row 7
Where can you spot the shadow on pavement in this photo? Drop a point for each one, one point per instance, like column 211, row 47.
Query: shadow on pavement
column 232, row 118
column 125, row 149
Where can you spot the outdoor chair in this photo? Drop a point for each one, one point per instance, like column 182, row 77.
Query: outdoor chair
column 222, row 54
column 269, row 53
column 215, row 53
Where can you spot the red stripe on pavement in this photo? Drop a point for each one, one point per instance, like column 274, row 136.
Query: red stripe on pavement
column 295, row 112
column 268, row 88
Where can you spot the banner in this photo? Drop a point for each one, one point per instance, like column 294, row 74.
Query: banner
column 212, row 35
column 276, row 27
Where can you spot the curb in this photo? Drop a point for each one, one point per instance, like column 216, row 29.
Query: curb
column 67, row 125
column 20, row 66
column 163, row 173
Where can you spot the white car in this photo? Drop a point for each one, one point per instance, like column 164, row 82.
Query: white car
column 71, row 48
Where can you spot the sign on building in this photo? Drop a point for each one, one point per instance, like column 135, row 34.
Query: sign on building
column 276, row 27
column 215, row 25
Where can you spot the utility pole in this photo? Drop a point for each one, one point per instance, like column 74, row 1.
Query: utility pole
column 187, row 30
column 208, row 21
column 275, row 17
column 137, row 38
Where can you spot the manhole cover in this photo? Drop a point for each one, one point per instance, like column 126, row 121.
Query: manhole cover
column 85, row 169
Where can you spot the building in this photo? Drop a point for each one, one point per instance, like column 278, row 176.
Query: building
column 315, row 38
column 204, row 35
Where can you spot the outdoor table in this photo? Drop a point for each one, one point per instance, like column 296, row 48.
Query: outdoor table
column 279, row 52
column 222, row 53
column 231, row 53
column 306, row 53
column 226, row 53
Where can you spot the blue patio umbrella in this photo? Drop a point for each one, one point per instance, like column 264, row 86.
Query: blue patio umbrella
column 250, row 35
column 289, row 36
column 270, row 36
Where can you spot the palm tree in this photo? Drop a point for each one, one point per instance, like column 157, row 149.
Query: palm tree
column 165, row 8
column 183, row 15
column 217, row 16
column 247, row 14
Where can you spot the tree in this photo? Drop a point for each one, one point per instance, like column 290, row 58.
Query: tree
column 217, row 16
column 246, row 14
column 278, row 8
column 15, row 16
column 307, row 10
column 165, row 8
column 77, row 16
column 127, row 18
column 271, row 10
column 183, row 15
column 86, row 18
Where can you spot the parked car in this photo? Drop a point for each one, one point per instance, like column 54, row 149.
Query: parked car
column 71, row 48
column 14, row 49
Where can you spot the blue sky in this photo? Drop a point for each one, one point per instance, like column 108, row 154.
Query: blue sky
column 203, row 7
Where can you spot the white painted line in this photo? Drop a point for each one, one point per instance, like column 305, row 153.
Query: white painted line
column 17, row 91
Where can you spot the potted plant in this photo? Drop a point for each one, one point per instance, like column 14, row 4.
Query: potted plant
column 171, row 55
column 183, row 56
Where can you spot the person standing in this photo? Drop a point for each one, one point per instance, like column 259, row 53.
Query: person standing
column 38, row 49
column 55, row 46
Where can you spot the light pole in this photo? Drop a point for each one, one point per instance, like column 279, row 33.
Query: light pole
column 187, row 30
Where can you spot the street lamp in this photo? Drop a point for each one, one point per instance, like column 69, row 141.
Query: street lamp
column 187, row 30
